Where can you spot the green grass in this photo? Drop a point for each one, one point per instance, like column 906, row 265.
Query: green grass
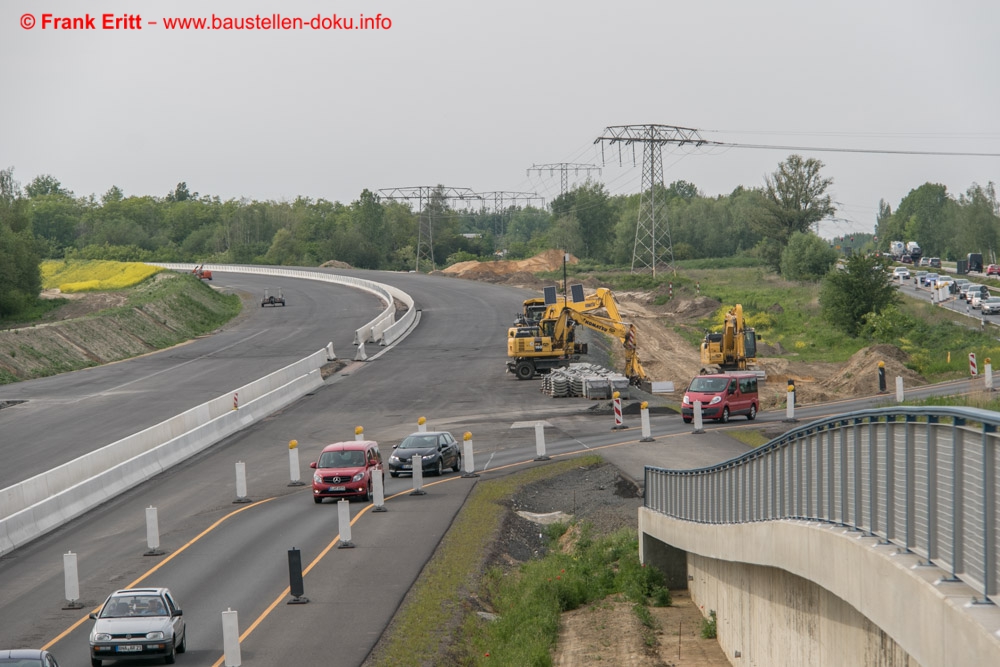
column 34, row 313
column 436, row 620
column 749, row 437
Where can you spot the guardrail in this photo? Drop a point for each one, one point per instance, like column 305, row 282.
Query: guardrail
column 923, row 478
column 44, row 502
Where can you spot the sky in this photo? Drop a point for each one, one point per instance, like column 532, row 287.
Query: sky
column 472, row 95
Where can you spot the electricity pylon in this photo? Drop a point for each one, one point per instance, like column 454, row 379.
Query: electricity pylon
column 425, row 231
column 652, row 230
column 502, row 200
column 564, row 168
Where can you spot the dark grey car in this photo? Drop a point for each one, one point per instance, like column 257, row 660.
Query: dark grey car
column 438, row 449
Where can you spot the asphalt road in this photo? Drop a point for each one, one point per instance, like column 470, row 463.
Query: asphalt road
column 221, row 555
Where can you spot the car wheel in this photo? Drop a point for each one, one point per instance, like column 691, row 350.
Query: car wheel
column 525, row 370
column 439, row 468
column 317, row 500
column 368, row 493
column 168, row 659
column 94, row 662
column 753, row 413
column 687, row 420
column 725, row 415
column 393, row 474
column 458, row 463
column 183, row 646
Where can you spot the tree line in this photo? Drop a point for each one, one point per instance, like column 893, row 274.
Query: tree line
column 772, row 222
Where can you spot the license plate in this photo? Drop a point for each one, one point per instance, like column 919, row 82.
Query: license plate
column 405, row 466
column 338, row 488
column 129, row 648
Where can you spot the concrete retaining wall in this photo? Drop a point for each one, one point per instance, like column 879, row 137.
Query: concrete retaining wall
column 801, row 593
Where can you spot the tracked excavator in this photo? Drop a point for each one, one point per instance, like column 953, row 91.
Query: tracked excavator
column 539, row 345
column 732, row 349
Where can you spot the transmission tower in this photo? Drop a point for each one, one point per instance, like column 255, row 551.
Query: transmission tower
column 422, row 193
column 564, row 168
column 504, row 199
column 652, row 233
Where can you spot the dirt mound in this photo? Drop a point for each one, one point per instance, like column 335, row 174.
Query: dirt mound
column 859, row 376
column 550, row 260
column 335, row 264
column 697, row 308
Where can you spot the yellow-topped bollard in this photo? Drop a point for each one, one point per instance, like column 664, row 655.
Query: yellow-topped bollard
column 467, row 436
column 422, row 424
column 359, row 432
column 293, row 464
column 292, row 444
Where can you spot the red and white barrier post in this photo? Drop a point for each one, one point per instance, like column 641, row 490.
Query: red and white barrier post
column 236, row 401
column 973, row 369
column 616, row 400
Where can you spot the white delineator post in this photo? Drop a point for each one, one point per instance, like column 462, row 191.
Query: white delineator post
column 152, row 533
column 378, row 491
column 699, row 426
column 540, row 442
column 344, row 517
column 899, row 389
column 72, row 580
column 422, row 424
column 988, row 377
column 417, row 469
column 646, row 435
column 293, row 464
column 467, row 462
column 790, row 404
column 359, row 432
column 231, row 638
column 241, row 483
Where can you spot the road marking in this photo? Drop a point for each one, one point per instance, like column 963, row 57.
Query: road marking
column 154, row 569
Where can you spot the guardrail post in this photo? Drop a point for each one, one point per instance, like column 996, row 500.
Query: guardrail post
column 467, row 460
column 72, row 581
column 344, row 519
column 152, row 533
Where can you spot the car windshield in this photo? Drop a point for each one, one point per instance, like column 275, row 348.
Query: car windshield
column 418, row 442
column 134, row 605
column 342, row 459
column 708, row 385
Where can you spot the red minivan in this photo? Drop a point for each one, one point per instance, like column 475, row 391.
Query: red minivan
column 345, row 470
column 721, row 396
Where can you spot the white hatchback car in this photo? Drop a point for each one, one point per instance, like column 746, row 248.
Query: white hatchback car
column 138, row 623
column 901, row 273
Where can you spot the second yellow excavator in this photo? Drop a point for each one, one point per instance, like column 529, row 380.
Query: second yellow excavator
column 732, row 349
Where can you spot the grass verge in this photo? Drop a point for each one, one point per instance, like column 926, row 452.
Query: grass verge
column 528, row 601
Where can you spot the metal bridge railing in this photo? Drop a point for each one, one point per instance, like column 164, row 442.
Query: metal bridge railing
column 923, row 478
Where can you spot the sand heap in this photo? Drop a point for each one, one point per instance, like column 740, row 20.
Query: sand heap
column 500, row 270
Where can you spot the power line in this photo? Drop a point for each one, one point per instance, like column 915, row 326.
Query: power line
column 425, row 231
column 564, row 168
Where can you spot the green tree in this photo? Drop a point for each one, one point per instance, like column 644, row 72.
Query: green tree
column 924, row 213
column 20, row 276
column 807, row 257
column 45, row 184
column 794, row 197
column 863, row 287
column 595, row 212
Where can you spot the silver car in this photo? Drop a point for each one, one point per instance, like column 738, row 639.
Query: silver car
column 990, row 305
column 137, row 624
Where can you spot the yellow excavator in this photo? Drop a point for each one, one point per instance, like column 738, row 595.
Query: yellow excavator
column 539, row 345
column 732, row 349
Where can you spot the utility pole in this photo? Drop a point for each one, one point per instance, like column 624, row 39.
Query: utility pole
column 425, row 231
column 564, row 168
column 652, row 233
column 504, row 199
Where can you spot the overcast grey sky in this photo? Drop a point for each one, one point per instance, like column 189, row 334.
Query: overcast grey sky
column 470, row 94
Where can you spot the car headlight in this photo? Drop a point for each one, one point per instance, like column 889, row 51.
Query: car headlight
column 715, row 399
column 155, row 636
column 318, row 478
column 102, row 637
column 357, row 478
column 687, row 400
column 393, row 459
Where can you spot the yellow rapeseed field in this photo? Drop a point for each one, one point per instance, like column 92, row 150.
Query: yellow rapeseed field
column 93, row 275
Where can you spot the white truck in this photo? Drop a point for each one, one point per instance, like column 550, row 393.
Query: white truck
column 914, row 251
column 897, row 249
